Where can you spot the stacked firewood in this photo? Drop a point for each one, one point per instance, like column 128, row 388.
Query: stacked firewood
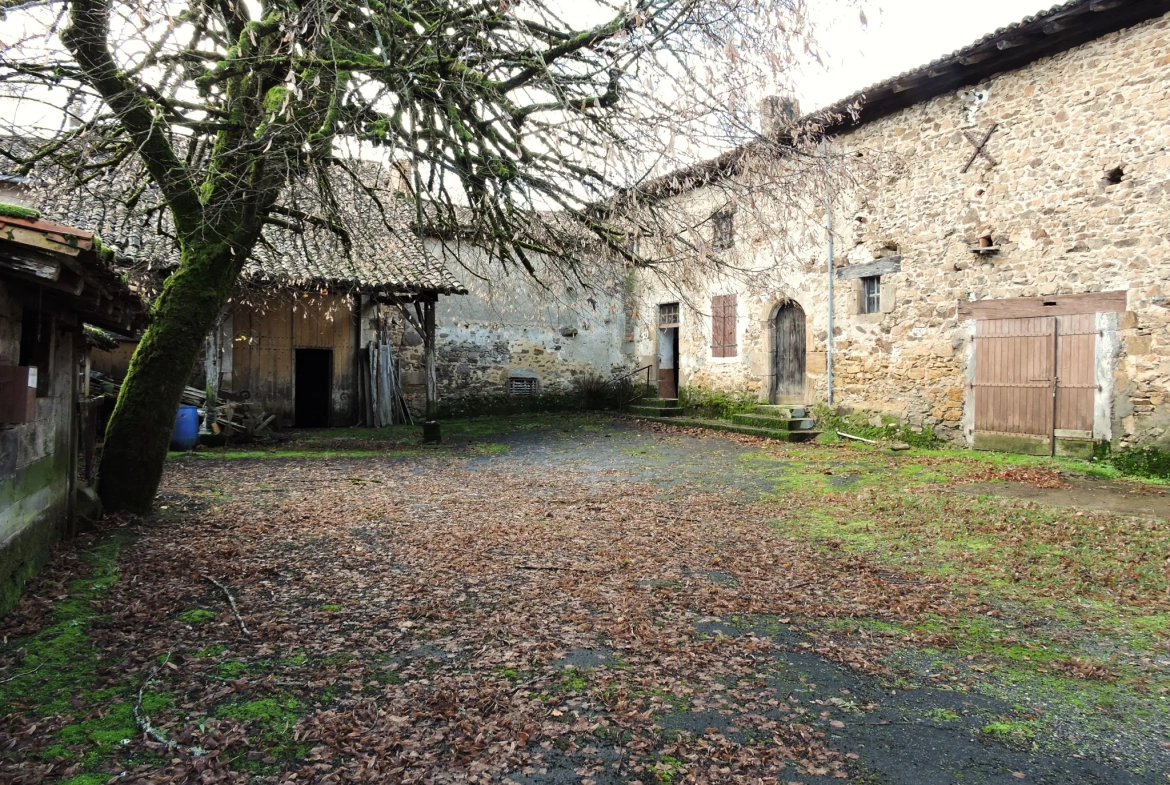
column 233, row 411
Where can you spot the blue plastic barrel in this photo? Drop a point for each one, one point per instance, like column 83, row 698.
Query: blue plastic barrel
column 186, row 432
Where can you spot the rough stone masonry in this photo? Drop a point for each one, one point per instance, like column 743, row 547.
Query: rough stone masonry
column 1071, row 193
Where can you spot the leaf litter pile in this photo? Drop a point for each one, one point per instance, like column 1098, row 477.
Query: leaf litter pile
column 345, row 621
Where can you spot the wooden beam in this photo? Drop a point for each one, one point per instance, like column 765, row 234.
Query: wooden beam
column 432, row 380
column 884, row 266
column 28, row 265
column 48, row 242
column 976, row 57
column 1055, row 305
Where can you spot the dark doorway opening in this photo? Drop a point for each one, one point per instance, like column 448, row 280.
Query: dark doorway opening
column 668, row 350
column 788, row 355
column 314, row 374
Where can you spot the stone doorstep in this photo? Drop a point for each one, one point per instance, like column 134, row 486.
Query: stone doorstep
column 656, row 411
column 784, row 412
column 721, row 425
column 777, row 423
column 661, row 403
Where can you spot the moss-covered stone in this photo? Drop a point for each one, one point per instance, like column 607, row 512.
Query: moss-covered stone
column 35, row 501
column 17, row 211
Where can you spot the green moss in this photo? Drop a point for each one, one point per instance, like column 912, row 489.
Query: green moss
column 17, row 211
column 942, row 715
column 62, row 663
column 1009, row 732
column 275, row 718
column 232, row 669
column 276, row 99
column 63, row 656
column 86, row 779
column 211, row 651
column 708, row 404
column 197, row 615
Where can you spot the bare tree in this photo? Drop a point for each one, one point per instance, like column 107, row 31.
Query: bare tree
column 222, row 111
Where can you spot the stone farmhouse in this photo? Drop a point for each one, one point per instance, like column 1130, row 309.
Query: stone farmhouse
column 1000, row 259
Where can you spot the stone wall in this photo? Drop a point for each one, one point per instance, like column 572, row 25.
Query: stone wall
column 36, row 458
column 1069, row 126
column 550, row 330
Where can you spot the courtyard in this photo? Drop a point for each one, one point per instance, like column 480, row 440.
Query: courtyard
column 579, row 598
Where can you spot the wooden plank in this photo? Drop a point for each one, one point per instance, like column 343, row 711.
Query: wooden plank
column 1076, row 372
column 730, row 307
column 884, row 266
column 1056, row 305
column 31, row 237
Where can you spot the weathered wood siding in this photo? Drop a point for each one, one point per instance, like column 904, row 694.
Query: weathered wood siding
column 263, row 351
column 114, row 362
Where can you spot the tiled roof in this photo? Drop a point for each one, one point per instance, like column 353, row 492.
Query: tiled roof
column 384, row 253
column 1058, row 29
column 1050, row 32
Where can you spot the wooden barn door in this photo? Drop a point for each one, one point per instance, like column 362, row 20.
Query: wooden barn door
column 1034, row 382
column 788, row 355
column 1076, row 376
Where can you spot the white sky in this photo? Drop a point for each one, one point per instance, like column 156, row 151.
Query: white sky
column 901, row 35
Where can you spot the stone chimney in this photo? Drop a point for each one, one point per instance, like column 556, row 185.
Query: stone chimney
column 402, row 176
column 777, row 115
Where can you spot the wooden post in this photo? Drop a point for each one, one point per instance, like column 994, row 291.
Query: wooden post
column 431, row 434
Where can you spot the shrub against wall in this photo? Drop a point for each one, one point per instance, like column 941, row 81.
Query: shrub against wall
column 859, row 423
column 1150, row 463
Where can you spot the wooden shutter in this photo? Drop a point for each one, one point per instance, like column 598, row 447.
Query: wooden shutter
column 723, row 313
column 729, row 308
column 717, row 326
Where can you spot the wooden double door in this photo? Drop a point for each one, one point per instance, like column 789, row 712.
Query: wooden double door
column 1035, row 383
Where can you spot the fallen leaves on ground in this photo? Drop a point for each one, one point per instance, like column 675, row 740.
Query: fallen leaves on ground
column 414, row 626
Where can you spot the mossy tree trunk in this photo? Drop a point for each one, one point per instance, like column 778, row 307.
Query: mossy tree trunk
column 140, row 429
column 217, row 224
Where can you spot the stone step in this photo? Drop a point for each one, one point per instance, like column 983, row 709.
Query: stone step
column 784, row 411
column 661, row 403
column 730, row 427
column 656, row 411
column 776, row 422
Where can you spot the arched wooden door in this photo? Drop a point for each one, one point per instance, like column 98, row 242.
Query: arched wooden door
column 788, row 349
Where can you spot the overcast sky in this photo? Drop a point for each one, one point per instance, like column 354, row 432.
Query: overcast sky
column 901, row 35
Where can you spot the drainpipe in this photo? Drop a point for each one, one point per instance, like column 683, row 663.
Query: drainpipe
column 829, row 234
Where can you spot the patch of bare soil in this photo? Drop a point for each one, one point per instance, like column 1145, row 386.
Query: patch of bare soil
column 1120, row 498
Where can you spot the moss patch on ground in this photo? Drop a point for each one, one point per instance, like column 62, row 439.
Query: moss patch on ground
column 62, row 663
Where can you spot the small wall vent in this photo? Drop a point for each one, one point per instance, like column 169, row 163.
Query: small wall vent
column 520, row 385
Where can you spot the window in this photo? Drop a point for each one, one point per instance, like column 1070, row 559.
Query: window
column 36, row 342
column 521, row 385
column 723, row 309
column 724, row 230
column 668, row 315
column 871, row 294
